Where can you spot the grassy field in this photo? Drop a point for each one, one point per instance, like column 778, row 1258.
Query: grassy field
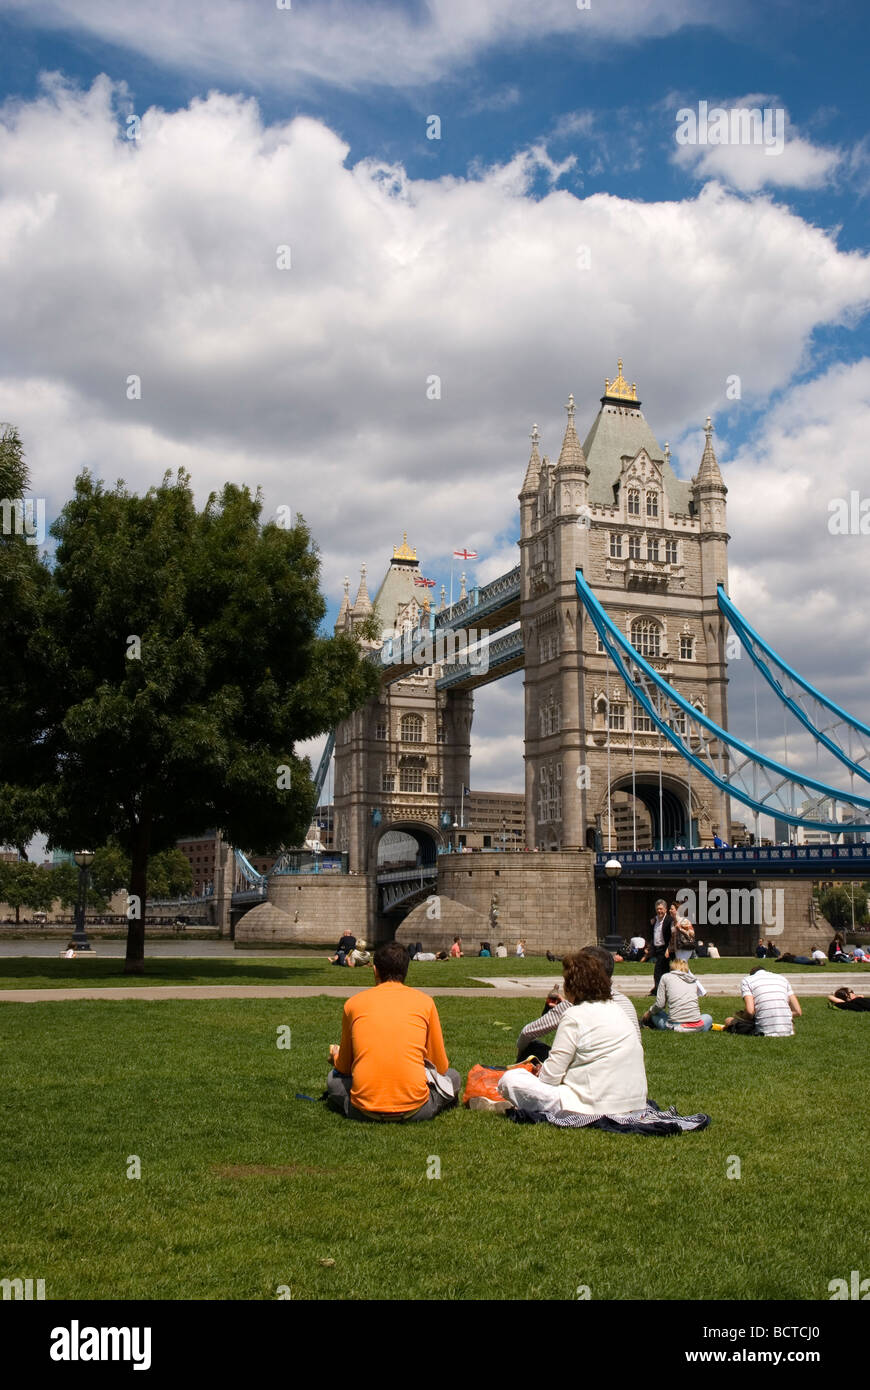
column 245, row 1188
column 49, row 972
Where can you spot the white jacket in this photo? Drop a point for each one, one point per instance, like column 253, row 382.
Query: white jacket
column 596, row 1061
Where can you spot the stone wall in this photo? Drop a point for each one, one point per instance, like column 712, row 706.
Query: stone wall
column 546, row 898
column 310, row 910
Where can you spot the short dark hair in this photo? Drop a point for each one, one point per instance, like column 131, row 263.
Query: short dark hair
column 585, row 978
column 600, row 953
column 391, row 961
column 842, row 993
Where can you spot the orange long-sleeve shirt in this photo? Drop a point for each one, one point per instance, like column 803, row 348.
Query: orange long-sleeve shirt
column 386, row 1035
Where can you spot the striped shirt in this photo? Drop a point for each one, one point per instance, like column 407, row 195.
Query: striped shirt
column 549, row 1021
column 773, row 1017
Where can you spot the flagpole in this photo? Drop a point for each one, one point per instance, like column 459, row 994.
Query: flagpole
column 452, row 563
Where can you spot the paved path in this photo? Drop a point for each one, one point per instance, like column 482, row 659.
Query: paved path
column 518, row 988
column 825, row 982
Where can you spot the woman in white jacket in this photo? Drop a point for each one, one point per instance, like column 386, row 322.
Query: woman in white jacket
column 595, row 1065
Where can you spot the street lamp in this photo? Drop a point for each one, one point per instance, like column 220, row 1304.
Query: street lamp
column 84, row 858
column 456, row 836
column 613, row 869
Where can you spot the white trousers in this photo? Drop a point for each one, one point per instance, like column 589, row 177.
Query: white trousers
column 529, row 1094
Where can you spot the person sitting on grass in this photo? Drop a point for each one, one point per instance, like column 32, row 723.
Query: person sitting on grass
column 484, row 949
column 837, row 949
column 596, row 1062
column 529, row 1042
column 456, row 948
column 345, row 946
column 770, row 1005
column 846, row 998
column 676, row 1005
column 771, row 951
column 391, row 1065
column 358, row 956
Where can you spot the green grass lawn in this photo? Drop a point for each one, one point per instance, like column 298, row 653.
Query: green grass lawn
column 245, row 1188
column 52, row 972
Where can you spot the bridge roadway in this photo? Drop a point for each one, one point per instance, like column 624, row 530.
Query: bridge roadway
column 765, row 861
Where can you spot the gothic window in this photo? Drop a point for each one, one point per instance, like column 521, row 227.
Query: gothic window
column 411, row 779
column 646, row 637
column 550, row 717
column 550, row 792
column 599, row 645
column 381, row 729
column 652, row 549
column 442, row 736
column 679, row 723
column 642, row 721
column 671, row 553
column 633, row 502
column 388, row 781
column 412, row 728
column 634, row 547
column 687, row 647
column 615, row 546
column 616, row 721
column 433, row 785
column 652, row 504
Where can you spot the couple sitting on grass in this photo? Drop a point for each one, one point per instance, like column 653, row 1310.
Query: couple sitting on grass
column 391, row 1065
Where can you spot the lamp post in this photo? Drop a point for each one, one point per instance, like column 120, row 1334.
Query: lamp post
column 84, row 858
column 613, row 869
column 455, row 836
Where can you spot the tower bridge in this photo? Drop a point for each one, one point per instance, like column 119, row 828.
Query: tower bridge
column 618, row 616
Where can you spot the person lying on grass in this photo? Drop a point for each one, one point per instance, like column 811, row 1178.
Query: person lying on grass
column 676, row 1005
column 595, row 1066
column 529, row 1042
column 847, row 999
column 391, row 1064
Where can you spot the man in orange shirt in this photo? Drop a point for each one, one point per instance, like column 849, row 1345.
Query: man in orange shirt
column 391, row 1064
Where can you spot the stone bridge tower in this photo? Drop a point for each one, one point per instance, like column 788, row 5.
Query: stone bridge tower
column 402, row 760
column 653, row 547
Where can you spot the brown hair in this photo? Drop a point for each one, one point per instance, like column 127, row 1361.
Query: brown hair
column 585, row 978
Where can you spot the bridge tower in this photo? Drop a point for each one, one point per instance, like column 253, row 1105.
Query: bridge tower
column 653, row 547
column 402, row 760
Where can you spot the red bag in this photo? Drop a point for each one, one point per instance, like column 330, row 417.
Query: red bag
column 483, row 1081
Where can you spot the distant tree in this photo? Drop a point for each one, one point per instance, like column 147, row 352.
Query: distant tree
column 178, row 664
column 169, row 874
column 27, row 885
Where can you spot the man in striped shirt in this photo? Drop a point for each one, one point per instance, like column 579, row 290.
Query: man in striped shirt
column 529, row 1044
column 770, row 1002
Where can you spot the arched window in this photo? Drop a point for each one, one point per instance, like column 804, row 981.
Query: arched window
column 652, row 504
column 412, row 728
column 633, row 501
column 646, row 637
column 687, row 647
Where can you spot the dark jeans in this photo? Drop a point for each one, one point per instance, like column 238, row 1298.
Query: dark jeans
column 338, row 1098
column 662, row 964
column 541, row 1050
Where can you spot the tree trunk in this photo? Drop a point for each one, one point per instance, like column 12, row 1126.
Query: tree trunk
column 135, row 961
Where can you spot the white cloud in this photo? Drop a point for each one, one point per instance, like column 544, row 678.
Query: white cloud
column 159, row 258
column 348, row 43
column 764, row 151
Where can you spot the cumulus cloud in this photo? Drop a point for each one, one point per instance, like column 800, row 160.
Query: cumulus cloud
column 758, row 146
column 345, row 43
column 386, row 380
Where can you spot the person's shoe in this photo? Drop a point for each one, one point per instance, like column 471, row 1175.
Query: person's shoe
column 718, row 1028
column 497, row 1107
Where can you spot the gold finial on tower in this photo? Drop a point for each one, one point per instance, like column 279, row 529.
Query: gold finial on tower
column 404, row 551
column 619, row 387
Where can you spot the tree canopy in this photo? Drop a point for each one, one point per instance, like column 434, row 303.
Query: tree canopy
column 174, row 663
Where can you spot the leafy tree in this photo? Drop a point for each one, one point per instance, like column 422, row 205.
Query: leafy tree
column 27, row 885
column 179, row 663
column 169, row 874
column 25, row 584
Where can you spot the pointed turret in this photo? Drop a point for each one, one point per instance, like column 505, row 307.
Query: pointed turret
column 533, row 472
column 462, row 593
column 708, row 472
column 343, row 619
column 571, row 458
column 443, row 604
column 362, row 605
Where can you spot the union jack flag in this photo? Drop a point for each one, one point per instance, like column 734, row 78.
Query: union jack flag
column 465, row 554
column 424, row 583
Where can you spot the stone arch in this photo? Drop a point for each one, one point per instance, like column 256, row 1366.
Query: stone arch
column 429, row 841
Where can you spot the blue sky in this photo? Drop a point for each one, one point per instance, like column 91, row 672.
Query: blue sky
column 454, row 256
